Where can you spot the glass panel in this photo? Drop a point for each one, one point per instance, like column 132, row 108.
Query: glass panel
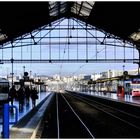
column 75, row 8
column 84, row 13
column 54, row 8
column 82, row 8
column 52, row 5
column 85, row 4
column 91, row 3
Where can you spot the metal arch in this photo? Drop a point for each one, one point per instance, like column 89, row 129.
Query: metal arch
column 37, row 40
column 50, row 29
column 23, row 37
column 108, row 35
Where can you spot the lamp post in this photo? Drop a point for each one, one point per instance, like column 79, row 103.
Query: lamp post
column 23, row 69
column 12, row 73
column 123, row 77
column 123, row 68
column 30, row 73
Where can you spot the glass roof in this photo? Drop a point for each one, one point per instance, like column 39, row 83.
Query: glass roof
column 82, row 8
column 57, row 8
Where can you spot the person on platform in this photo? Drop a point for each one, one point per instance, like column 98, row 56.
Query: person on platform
column 12, row 94
column 27, row 95
column 34, row 96
column 21, row 98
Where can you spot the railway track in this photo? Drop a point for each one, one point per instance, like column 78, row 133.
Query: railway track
column 129, row 118
column 107, row 122
column 81, row 117
column 68, row 123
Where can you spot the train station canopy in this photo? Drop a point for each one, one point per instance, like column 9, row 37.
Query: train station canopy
column 115, row 18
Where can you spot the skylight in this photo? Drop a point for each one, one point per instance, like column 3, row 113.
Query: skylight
column 82, row 8
column 57, row 8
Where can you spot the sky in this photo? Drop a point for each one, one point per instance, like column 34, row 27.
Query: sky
column 65, row 51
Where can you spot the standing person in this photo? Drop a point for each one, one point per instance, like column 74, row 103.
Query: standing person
column 12, row 94
column 34, row 96
column 21, row 98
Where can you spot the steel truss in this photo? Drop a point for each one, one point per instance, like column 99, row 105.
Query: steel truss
column 70, row 61
column 72, row 41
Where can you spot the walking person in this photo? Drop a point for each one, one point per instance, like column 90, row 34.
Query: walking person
column 21, row 98
column 12, row 94
column 27, row 95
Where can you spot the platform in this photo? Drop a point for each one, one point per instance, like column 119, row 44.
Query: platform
column 127, row 98
column 28, row 126
column 26, row 108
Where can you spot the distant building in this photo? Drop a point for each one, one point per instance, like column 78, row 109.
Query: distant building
column 87, row 77
column 95, row 76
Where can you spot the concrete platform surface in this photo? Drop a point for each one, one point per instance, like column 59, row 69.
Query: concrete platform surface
column 27, row 126
column 127, row 98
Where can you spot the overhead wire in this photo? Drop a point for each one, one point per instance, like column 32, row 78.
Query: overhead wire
column 80, row 67
column 64, row 51
column 86, row 63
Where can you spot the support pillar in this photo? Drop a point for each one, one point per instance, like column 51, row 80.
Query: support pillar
column 6, row 120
